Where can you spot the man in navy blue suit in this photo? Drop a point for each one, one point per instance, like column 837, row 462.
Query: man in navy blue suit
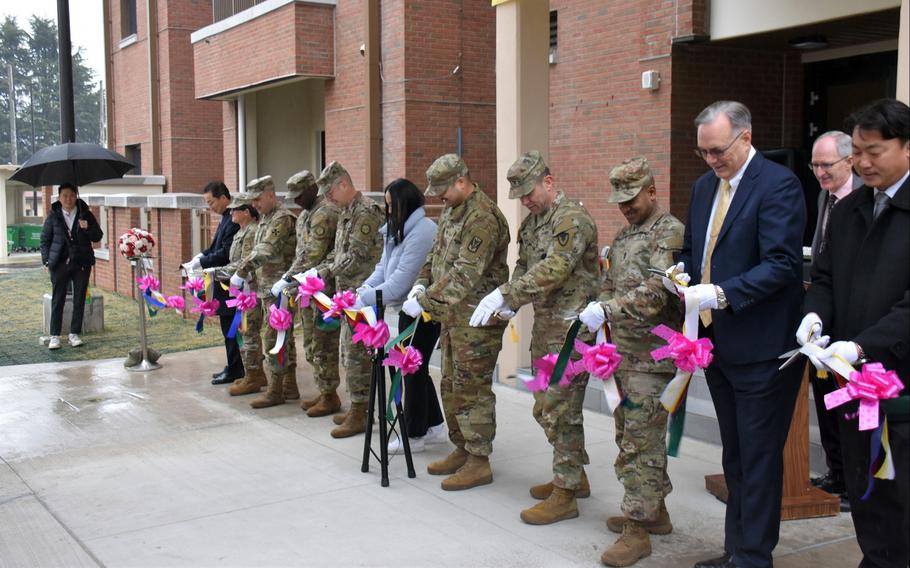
column 743, row 254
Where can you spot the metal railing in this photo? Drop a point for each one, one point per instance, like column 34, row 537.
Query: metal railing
column 222, row 9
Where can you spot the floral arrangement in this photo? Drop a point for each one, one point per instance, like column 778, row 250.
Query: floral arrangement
column 136, row 242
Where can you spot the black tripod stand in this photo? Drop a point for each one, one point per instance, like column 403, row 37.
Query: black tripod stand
column 376, row 403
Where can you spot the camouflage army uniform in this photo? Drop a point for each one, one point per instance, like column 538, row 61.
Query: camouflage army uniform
column 272, row 253
column 358, row 246
column 251, row 350
column 636, row 301
column 557, row 271
column 315, row 241
column 468, row 259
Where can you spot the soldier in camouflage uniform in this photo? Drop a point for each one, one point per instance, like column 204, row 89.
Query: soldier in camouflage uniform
column 358, row 246
column 634, row 301
column 468, row 258
column 316, row 226
column 244, row 214
column 557, row 271
column 272, row 253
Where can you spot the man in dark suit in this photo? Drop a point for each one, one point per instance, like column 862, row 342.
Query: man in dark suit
column 832, row 164
column 217, row 197
column 743, row 253
column 860, row 295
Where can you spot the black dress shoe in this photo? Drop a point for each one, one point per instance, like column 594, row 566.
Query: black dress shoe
column 725, row 561
column 221, row 372
column 224, row 378
column 831, row 483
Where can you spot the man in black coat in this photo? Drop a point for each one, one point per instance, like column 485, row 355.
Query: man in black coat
column 217, row 197
column 860, row 296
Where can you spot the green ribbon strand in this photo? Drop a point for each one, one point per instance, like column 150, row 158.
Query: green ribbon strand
column 677, row 423
column 563, row 360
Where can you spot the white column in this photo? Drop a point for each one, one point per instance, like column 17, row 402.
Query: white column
column 903, row 58
column 241, row 142
column 522, row 124
column 3, row 220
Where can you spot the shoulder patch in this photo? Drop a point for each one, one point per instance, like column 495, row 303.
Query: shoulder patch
column 365, row 229
column 563, row 238
column 475, row 244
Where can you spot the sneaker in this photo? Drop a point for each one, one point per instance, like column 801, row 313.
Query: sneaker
column 54, row 342
column 437, row 434
column 75, row 341
column 396, row 447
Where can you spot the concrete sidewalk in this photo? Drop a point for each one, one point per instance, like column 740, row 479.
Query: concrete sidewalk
column 110, row 468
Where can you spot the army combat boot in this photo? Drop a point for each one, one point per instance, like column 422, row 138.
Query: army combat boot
column 308, row 402
column 249, row 384
column 340, row 418
column 449, row 464
column 289, row 385
column 475, row 472
column 559, row 506
column 632, row 546
column 354, row 423
column 273, row 396
column 543, row 490
column 327, row 404
column 660, row 525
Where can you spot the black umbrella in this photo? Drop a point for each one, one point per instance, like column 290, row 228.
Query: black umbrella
column 72, row 162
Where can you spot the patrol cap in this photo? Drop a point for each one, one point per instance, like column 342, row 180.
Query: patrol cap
column 443, row 173
column 239, row 200
column 259, row 185
column 629, row 178
column 330, row 176
column 299, row 183
column 524, row 172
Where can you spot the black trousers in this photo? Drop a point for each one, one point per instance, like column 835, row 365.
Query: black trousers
column 421, row 406
column 828, row 430
column 234, row 365
column 61, row 276
column 882, row 522
column 754, row 404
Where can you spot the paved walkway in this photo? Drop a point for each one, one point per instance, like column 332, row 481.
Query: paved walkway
column 105, row 467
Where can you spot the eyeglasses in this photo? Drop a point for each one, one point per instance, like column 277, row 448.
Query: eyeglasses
column 717, row 153
column 823, row 166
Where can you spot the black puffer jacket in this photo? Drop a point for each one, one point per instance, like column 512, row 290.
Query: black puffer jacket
column 58, row 244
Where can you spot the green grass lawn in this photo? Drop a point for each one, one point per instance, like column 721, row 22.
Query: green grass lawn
column 21, row 324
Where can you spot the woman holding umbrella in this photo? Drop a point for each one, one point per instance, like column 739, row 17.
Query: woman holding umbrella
column 67, row 253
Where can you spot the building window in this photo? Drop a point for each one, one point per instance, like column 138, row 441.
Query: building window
column 32, row 203
column 134, row 154
column 553, row 36
column 127, row 18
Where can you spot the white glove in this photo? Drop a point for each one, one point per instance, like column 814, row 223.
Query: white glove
column 358, row 303
column 193, row 265
column 417, row 289
column 412, row 307
column 210, row 269
column 361, row 289
column 489, row 305
column 198, row 256
column 705, row 294
column 311, row 273
column 593, row 316
column 821, row 342
column 277, row 287
column 846, row 350
column 238, row 282
column 678, row 273
column 506, row 313
column 809, row 329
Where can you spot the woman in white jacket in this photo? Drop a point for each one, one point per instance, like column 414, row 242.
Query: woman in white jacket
column 408, row 237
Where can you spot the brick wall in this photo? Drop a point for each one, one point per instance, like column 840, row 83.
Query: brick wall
column 769, row 83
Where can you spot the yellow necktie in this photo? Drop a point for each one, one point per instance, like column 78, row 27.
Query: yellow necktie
column 717, row 221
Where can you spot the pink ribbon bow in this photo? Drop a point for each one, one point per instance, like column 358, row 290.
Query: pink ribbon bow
column 308, row 288
column 687, row 355
column 148, row 283
column 409, row 360
column 242, row 301
column 207, row 308
column 193, row 284
column 870, row 385
column 545, row 366
column 340, row 302
column 600, row 360
column 279, row 318
column 175, row 302
column 374, row 336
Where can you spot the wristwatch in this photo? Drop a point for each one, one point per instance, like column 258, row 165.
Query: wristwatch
column 860, row 354
column 721, row 298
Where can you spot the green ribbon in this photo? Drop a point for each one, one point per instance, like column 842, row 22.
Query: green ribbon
column 396, row 383
column 403, row 335
column 677, row 422
column 396, row 378
column 563, row 360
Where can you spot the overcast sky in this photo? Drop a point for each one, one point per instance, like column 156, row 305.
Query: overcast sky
column 86, row 25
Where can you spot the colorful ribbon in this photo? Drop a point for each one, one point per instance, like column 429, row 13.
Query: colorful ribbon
column 341, row 301
column 601, row 361
column 205, row 308
column 175, row 302
column 372, row 336
column 687, row 354
column 546, row 371
column 308, row 288
column 243, row 303
column 194, row 285
column 280, row 319
column 870, row 385
column 408, row 360
column 147, row 283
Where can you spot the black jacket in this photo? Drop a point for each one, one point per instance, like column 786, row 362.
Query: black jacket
column 218, row 255
column 58, row 245
column 861, row 281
